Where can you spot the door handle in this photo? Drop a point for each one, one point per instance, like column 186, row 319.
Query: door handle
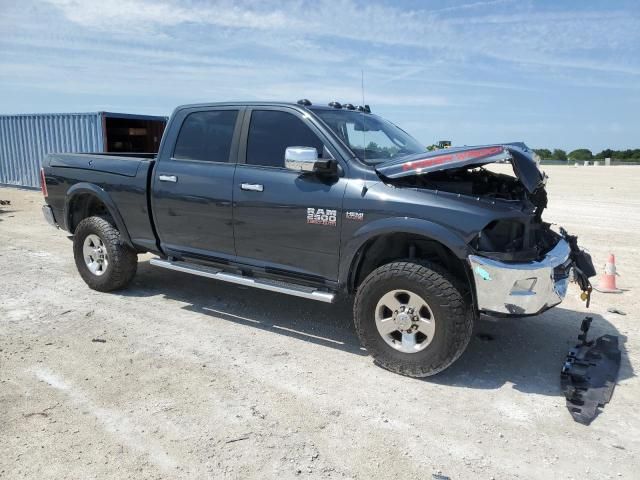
column 168, row 178
column 252, row 187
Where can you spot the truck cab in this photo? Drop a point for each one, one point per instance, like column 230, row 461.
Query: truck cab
column 225, row 166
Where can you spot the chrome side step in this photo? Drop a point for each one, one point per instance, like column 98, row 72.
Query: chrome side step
column 265, row 284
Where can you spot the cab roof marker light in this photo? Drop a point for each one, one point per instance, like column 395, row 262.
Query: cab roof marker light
column 304, row 102
column 335, row 104
column 349, row 106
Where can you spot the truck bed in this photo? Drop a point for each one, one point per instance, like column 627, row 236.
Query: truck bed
column 122, row 180
column 119, row 164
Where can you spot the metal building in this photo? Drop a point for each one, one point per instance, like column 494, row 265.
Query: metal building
column 26, row 139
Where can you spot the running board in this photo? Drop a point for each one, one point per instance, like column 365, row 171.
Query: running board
column 262, row 283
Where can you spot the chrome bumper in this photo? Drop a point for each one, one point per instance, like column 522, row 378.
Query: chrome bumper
column 48, row 215
column 522, row 288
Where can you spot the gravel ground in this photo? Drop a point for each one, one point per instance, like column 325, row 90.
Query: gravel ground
column 183, row 377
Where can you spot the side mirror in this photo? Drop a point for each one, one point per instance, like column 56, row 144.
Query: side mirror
column 305, row 159
column 300, row 159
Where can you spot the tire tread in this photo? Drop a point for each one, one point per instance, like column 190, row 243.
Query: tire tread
column 451, row 297
column 123, row 260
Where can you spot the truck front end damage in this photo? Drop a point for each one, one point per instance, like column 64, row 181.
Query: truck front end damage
column 522, row 288
column 519, row 265
column 531, row 287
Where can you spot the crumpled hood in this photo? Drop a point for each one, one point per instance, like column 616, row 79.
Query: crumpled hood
column 520, row 156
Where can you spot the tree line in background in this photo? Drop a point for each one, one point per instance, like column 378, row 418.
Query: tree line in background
column 585, row 154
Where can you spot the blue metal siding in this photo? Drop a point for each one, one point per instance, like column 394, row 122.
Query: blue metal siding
column 26, row 139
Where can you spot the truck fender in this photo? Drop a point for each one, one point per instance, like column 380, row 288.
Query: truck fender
column 83, row 188
column 416, row 226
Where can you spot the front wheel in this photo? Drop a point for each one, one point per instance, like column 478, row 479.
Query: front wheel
column 412, row 318
column 103, row 260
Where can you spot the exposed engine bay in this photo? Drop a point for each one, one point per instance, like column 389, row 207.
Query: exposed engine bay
column 472, row 181
column 523, row 239
column 520, row 235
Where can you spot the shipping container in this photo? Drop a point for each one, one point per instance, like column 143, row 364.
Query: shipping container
column 25, row 139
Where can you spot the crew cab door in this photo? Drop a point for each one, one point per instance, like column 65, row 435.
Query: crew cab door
column 192, row 185
column 285, row 220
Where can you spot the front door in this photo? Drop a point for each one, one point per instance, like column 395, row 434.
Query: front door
column 285, row 220
column 193, row 185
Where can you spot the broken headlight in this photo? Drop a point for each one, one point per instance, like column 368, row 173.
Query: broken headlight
column 515, row 240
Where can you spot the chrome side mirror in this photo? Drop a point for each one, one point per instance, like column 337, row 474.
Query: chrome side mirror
column 300, row 159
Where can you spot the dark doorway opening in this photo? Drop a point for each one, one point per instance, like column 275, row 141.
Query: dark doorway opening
column 130, row 134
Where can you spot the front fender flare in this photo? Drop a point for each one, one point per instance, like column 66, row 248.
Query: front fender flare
column 85, row 188
column 416, row 226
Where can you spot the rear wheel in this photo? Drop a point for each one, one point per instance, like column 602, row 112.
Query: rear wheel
column 412, row 318
column 103, row 260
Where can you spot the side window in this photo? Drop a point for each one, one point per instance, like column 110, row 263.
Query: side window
column 271, row 132
column 206, row 136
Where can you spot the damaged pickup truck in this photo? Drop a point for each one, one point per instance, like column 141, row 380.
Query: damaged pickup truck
column 320, row 201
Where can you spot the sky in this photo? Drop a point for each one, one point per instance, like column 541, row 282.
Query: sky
column 554, row 74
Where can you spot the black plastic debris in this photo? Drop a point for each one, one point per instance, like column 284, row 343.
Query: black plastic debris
column 589, row 374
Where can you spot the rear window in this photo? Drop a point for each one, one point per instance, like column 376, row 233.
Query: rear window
column 206, row 136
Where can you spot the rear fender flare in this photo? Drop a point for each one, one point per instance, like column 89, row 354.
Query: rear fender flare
column 85, row 188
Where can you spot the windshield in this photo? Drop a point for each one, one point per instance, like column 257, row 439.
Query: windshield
column 373, row 139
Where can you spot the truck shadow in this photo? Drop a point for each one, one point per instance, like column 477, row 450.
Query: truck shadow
column 316, row 322
column 527, row 353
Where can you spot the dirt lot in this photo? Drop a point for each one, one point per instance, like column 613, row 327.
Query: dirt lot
column 199, row 379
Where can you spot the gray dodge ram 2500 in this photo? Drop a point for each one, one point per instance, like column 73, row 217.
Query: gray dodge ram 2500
column 316, row 201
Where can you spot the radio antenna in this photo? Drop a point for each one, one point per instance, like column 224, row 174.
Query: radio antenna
column 364, row 150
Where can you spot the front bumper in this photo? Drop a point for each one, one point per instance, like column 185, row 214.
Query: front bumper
column 522, row 288
column 47, row 211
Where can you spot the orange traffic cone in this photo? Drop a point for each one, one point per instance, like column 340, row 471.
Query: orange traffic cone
column 608, row 280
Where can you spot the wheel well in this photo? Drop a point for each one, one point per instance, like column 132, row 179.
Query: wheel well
column 86, row 205
column 387, row 248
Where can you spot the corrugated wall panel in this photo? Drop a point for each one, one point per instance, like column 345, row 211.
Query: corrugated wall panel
column 26, row 139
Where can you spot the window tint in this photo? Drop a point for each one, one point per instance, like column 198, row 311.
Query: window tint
column 206, row 136
column 271, row 132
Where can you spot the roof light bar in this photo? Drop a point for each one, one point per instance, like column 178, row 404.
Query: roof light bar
column 349, row 106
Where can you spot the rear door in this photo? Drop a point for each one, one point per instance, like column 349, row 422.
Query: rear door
column 285, row 220
column 193, row 182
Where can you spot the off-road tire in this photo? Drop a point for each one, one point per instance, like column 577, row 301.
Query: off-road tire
column 123, row 260
column 446, row 298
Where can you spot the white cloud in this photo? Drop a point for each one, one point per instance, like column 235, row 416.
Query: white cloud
column 349, row 31
column 518, row 36
column 142, row 15
column 310, row 31
column 505, row 54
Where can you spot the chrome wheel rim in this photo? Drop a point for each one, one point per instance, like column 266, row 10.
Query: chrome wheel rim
column 405, row 321
column 95, row 255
